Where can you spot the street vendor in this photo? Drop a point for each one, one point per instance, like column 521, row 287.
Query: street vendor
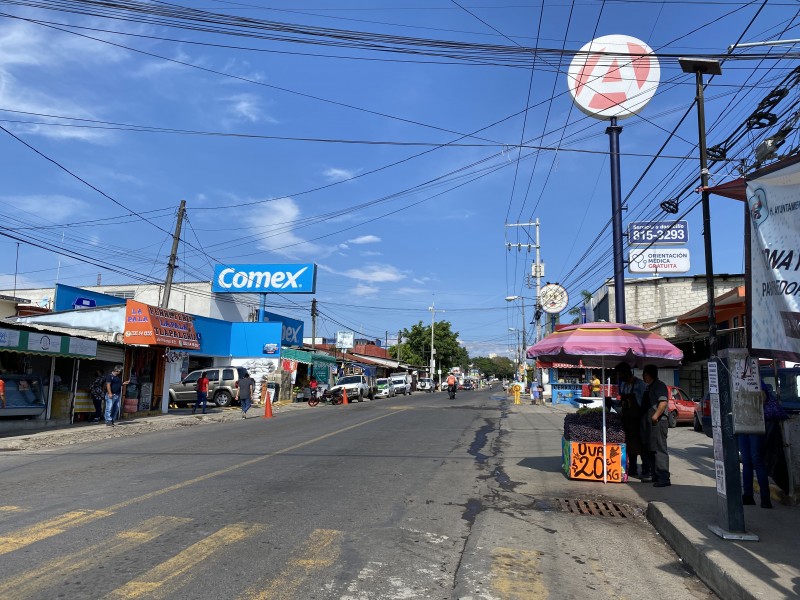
column 632, row 391
column 595, row 386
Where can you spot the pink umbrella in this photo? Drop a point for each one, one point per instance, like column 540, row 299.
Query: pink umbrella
column 606, row 344
column 601, row 344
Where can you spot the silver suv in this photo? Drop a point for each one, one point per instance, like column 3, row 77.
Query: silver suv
column 221, row 386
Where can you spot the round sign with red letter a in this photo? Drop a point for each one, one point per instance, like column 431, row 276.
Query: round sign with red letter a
column 613, row 76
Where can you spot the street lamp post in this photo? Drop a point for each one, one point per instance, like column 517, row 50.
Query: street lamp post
column 729, row 501
column 432, row 308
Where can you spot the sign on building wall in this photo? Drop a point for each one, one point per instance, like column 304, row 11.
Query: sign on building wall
column 292, row 329
column 659, row 260
column 774, row 286
column 261, row 279
column 152, row 326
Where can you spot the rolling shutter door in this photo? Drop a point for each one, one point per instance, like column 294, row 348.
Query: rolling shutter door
column 115, row 354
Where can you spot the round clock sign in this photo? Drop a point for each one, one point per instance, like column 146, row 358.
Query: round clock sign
column 553, row 298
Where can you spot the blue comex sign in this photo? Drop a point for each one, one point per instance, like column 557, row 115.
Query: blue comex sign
column 260, row 279
column 292, row 330
column 659, row 232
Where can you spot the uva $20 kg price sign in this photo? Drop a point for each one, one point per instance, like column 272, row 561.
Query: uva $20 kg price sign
column 584, row 460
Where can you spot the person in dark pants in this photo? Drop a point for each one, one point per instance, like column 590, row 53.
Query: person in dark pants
column 657, row 401
column 96, row 394
column 245, row 388
column 201, row 387
column 752, row 451
column 632, row 391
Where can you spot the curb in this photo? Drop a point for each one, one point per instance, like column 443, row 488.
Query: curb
column 725, row 577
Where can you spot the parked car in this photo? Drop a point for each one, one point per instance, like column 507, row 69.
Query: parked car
column 357, row 386
column 385, row 388
column 702, row 416
column 425, row 384
column 221, row 386
column 681, row 407
column 400, row 384
column 467, row 385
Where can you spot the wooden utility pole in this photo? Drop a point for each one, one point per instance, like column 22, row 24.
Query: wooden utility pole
column 173, row 256
column 313, row 322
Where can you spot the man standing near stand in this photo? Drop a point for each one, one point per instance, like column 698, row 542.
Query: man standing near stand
column 113, row 387
column 657, row 401
column 632, row 391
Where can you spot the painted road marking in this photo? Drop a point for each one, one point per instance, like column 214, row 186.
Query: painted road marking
column 53, row 572
column 319, row 552
column 35, row 533
column 515, row 574
column 163, row 580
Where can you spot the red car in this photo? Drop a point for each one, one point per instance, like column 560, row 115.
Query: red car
column 681, row 407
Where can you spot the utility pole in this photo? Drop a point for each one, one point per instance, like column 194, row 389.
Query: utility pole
column 398, row 346
column 432, row 308
column 313, row 322
column 173, row 256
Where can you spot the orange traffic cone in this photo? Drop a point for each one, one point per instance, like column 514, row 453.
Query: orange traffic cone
column 268, row 407
column 344, row 396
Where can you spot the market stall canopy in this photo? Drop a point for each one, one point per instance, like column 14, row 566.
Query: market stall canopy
column 606, row 344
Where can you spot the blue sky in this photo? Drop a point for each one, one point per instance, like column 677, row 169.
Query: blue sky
column 396, row 224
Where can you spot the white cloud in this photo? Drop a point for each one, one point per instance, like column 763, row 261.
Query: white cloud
column 276, row 222
column 46, row 208
column 365, row 239
column 371, row 253
column 334, row 174
column 246, row 107
column 364, row 290
column 375, row 273
column 412, row 290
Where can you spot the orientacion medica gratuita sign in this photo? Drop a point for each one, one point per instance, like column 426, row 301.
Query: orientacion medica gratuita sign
column 260, row 279
column 661, row 260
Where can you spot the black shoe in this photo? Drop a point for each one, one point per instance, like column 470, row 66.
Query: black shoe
column 647, row 479
column 748, row 500
column 765, row 503
column 662, row 484
column 193, row 410
column 110, row 424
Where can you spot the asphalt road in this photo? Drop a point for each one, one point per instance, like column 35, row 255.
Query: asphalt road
column 404, row 498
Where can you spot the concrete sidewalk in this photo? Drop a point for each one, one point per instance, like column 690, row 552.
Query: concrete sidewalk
column 767, row 569
column 54, row 435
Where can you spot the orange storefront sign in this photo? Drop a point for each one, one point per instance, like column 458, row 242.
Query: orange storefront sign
column 152, row 326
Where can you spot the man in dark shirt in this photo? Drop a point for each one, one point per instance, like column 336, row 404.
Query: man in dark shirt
column 113, row 388
column 246, row 386
column 657, row 401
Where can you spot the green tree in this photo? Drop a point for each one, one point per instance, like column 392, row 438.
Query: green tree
column 416, row 346
column 576, row 311
column 499, row 366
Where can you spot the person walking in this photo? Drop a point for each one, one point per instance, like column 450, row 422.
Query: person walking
column 201, row 387
column 535, row 395
column 657, row 401
column 113, row 387
column 96, row 394
column 245, row 388
column 632, row 391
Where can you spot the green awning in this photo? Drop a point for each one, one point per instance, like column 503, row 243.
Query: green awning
column 305, row 357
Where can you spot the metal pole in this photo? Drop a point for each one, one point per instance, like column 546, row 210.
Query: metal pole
column 730, row 504
column 616, row 221
column 523, row 350
column 537, row 308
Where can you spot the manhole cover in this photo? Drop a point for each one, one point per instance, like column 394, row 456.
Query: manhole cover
column 597, row 508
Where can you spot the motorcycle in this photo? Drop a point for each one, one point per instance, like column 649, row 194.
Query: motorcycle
column 313, row 399
column 452, row 391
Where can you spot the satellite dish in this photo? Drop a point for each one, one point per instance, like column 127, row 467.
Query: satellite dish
column 44, row 302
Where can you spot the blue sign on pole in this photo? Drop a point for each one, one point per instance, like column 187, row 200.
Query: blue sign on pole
column 642, row 233
column 249, row 279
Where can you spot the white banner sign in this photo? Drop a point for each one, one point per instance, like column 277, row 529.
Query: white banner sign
column 659, row 260
column 344, row 339
column 774, row 206
column 42, row 342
